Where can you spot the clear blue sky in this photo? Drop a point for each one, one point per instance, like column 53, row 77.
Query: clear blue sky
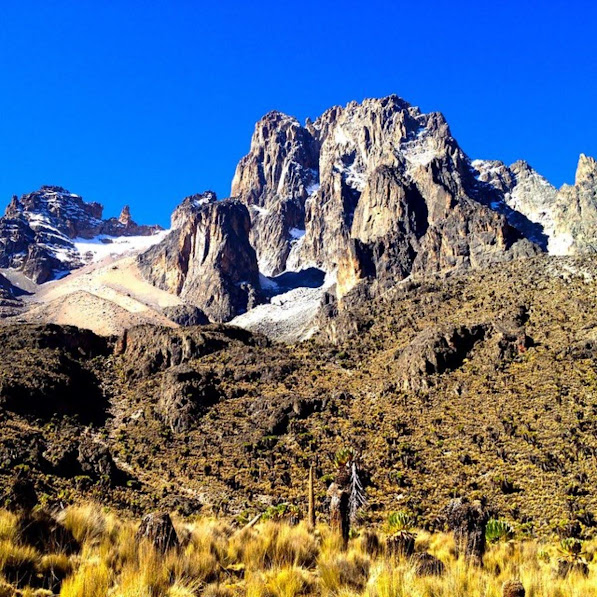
column 146, row 102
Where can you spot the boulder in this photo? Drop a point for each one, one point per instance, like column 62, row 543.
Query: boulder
column 513, row 588
column 186, row 315
column 157, row 528
column 184, row 395
column 566, row 567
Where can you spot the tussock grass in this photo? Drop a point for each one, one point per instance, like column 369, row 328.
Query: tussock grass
column 272, row 559
column 87, row 522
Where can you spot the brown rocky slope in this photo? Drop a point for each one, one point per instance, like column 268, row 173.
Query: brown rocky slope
column 478, row 384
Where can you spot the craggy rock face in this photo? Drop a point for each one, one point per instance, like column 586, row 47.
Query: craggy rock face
column 274, row 180
column 38, row 230
column 377, row 189
column 207, row 259
column 562, row 220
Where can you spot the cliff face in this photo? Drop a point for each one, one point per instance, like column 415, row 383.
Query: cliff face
column 385, row 190
column 207, row 259
column 575, row 212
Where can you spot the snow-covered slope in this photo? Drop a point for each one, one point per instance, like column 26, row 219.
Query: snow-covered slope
column 101, row 246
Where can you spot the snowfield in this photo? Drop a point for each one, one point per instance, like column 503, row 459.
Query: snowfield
column 96, row 249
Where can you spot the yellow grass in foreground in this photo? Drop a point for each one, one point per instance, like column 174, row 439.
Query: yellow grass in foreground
column 272, row 559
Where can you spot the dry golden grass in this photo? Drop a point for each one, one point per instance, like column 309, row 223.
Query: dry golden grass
column 273, row 559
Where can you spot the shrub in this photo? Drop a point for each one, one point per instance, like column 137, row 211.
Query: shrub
column 87, row 523
column 498, row 530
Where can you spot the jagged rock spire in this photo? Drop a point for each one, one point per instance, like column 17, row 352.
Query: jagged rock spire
column 586, row 171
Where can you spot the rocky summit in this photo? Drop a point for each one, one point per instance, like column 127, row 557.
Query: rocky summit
column 372, row 190
column 367, row 284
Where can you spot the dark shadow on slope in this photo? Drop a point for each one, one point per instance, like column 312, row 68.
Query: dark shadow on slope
column 307, row 278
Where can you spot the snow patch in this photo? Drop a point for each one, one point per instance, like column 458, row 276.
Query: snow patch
column 312, row 188
column 296, row 233
column 262, row 211
column 289, row 317
column 340, row 136
column 96, row 249
column 355, row 178
column 419, row 150
column 560, row 244
column 267, row 283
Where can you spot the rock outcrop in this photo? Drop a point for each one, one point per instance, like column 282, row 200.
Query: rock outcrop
column 53, row 373
column 157, row 528
column 184, row 395
column 207, row 259
column 39, row 230
column 186, row 315
column 146, row 349
column 434, row 351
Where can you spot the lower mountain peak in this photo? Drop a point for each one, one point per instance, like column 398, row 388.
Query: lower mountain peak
column 586, row 171
column 49, row 232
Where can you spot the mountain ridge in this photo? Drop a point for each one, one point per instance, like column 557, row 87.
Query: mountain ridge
column 368, row 193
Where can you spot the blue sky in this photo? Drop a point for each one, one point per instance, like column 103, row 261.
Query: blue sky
column 146, row 102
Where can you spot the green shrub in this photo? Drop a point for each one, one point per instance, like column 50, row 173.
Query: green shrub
column 498, row 530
